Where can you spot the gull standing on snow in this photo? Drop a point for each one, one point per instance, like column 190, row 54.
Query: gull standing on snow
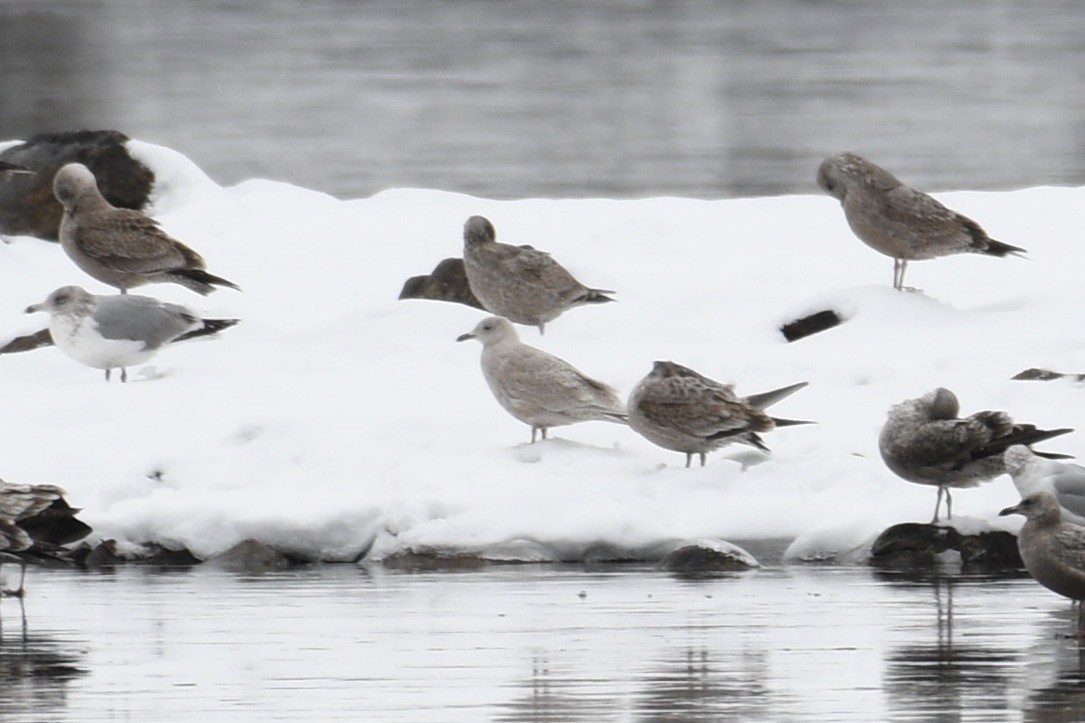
column 35, row 520
column 898, row 220
column 924, row 441
column 107, row 332
column 1032, row 473
column 1052, row 549
column 678, row 409
column 119, row 246
column 520, row 283
column 538, row 388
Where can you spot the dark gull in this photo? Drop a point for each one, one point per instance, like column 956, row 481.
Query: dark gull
column 119, row 246
column 520, row 283
column 35, row 520
column 538, row 388
column 681, row 410
column 898, row 220
column 924, row 441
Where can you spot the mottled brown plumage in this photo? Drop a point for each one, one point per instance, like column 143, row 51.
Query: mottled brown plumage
column 898, row 220
column 122, row 247
column 35, row 520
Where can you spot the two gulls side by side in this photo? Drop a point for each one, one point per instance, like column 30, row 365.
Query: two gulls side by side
column 536, row 387
column 520, row 283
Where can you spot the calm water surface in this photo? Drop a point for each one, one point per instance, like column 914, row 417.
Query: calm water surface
column 626, row 98
column 532, row 643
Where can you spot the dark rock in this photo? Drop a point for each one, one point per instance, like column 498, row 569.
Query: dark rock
column 155, row 554
column 447, row 282
column 811, row 324
column 430, row 560
column 914, row 546
column 699, row 559
column 27, row 205
column 25, row 343
column 104, row 554
column 1045, row 375
column 253, row 556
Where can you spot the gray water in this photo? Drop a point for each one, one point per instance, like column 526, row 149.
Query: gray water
column 566, row 98
column 536, row 643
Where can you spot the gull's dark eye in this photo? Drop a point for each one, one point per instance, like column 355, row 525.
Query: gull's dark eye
column 61, row 298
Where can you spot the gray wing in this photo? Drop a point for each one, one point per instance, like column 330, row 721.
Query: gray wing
column 552, row 383
column 1069, row 485
column 141, row 318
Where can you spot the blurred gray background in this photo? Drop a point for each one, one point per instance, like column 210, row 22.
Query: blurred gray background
column 519, row 98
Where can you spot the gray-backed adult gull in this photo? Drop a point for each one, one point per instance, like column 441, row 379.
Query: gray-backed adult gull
column 119, row 246
column 107, row 332
column 681, row 410
column 35, row 520
column 1032, row 473
column 1052, row 549
column 924, row 441
column 520, row 283
column 898, row 220
column 538, row 388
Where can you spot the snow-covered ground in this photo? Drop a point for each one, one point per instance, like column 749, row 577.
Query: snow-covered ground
column 336, row 419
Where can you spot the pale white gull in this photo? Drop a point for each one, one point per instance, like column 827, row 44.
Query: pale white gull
column 681, row 410
column 1032, row 473
column 1052, row 549
column 538, row 388
column 898, row 220
column 925, row 442
column 117, row 331
column 119, row 246
column 520, row 283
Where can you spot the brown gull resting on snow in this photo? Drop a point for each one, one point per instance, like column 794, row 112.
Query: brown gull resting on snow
column 119, row 246
column 678, row 409
column 520, row 283
column 1053, row 550
column 35, row 521
column 117, row 331
column 898, row 220
column 924, row 441
column 1032, row 473
column 538, row 388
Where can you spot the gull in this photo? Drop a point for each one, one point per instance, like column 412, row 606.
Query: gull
column 520, row 283
column 924, row 441
column 538, row 388
column 1052, row 549
column 119, row 246
column 678, row 409
column 898, row 220
column 35, row 520
column 15, row 169
column 107, row 332
column 1032, row 473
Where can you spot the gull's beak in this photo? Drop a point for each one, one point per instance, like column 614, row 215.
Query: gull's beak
column 1010, row 511
column 465, row 337
column 34, row 308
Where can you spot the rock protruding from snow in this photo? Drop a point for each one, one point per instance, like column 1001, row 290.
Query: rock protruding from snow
column 707, row 557
column 923, row 547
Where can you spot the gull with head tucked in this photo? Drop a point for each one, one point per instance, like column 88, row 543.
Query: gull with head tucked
column 538, row 388
column 520, row 283
column 109, row 332
column 899, row 221
column 925, row 442
column 119, row 246
column 681, row 410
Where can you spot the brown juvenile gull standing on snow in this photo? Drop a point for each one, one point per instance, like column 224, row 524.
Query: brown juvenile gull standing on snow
column 35, row 521
column 924, row 441
column 119, row 246
column 520, row 283
column 899, row 221
column 678, row 409
column 1053, row 550
column 539, row 388
column 107, row 332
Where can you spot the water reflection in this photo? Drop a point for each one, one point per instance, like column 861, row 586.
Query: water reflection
column 36, row 670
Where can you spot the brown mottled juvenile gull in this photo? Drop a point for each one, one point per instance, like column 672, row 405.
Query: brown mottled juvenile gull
column 538, row 388
column 119, row 246
column 520, row 283
column 924, row 441
column 678, row 409
column 35, row 520
column 1052, row 549
column 898, row 220
column 1032, row 473
column 107, row 332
